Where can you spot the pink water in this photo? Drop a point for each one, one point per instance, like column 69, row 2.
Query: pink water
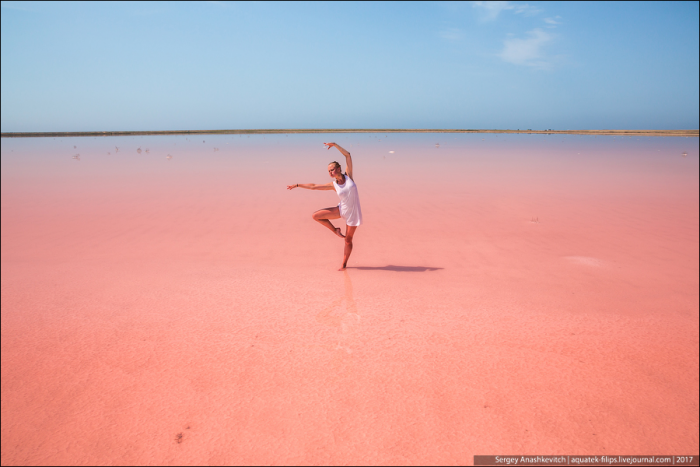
column 517, row 294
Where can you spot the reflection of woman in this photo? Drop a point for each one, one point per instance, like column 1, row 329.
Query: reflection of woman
column 346, row 321
column 349, row 206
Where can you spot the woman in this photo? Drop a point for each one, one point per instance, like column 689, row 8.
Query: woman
column 349, row 206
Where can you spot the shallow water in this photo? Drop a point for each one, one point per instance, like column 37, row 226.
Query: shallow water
column 522, row 294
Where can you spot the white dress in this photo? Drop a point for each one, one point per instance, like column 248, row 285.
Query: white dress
column 349, row 205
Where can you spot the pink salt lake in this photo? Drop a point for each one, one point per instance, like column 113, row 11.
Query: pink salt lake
column 510, row 294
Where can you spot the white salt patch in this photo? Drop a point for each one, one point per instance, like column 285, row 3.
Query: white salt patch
column 584, row 261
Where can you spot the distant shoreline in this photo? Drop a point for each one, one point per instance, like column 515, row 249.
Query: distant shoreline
column 55, row 134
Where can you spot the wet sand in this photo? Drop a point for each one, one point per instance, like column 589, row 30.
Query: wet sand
column 506, row 295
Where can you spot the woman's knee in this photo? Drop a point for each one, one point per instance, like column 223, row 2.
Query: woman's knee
column 325, row 214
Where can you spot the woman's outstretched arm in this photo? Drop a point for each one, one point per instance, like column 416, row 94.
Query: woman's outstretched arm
column 311, row 186
column 348, row 159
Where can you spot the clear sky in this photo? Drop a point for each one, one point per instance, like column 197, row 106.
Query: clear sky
column 220, row 65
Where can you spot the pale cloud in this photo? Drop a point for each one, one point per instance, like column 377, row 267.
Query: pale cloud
column 526, row 10
column 527, row 51
column 452, row 34
column 491, row 10
column 552, row 22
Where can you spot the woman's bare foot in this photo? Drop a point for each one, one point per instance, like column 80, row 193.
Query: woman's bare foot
column 338, row 232
column 342, row 268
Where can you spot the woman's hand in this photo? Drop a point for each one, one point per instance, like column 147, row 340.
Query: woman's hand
column 291, row 187
column 330, row 145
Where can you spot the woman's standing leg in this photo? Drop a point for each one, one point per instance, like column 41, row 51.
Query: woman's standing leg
column 349, row 233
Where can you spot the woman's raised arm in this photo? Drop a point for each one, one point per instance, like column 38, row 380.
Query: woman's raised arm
column 348, row 159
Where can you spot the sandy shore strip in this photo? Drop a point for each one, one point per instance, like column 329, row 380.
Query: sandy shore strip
column 686, row 133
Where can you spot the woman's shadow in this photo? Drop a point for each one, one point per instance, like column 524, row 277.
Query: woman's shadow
column 392, row 267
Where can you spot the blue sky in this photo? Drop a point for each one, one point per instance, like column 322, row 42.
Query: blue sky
column 216, row 65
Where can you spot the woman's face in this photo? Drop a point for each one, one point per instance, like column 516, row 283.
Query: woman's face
column 334, row 170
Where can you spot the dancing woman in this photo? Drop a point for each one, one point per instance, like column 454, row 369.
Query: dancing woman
column 349, row 206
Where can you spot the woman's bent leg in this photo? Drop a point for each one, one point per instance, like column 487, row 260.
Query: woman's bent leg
column 323, row 216
column 349, row 233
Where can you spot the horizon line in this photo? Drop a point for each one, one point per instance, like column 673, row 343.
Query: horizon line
column 693, row 133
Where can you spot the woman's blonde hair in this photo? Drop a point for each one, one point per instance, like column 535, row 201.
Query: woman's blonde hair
column 335, row 164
